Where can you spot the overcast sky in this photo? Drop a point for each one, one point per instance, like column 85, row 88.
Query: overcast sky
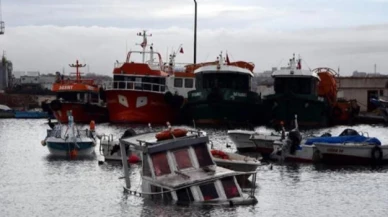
column 46, row 35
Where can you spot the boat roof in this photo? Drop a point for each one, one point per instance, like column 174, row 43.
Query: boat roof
column 149, row 141
column 194, row 177
column 290, row 73
column 222, row 69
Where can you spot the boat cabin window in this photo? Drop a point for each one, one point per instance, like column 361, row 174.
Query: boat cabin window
column 184, row 195
column 94, row 97
column 230, row 187
column 236, row 81
column 160, row 163
column 296, row 85
column 209, row 191
column 146, row 167
column 139, row 83
column 155, row 189
column 182, row 159
column 68, row 96
column 203, row 156
column 189, row 83
column 178, row 82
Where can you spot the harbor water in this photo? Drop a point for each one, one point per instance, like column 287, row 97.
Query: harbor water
column 34, row 184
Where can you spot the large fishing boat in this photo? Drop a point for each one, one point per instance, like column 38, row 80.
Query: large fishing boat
column 81, row 96
column 311, row 94
column 223, row 93
column 147, row 91
column 296, row 92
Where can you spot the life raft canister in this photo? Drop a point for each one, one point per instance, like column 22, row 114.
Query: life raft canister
column 167, row 134
column 220, row 154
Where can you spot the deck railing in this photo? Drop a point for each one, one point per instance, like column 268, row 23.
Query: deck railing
column 136, row 85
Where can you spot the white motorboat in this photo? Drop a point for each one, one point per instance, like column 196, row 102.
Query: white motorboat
column 369, row 151
column 177, row 165
column 69, row 141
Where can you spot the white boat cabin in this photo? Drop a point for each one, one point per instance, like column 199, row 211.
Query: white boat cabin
column 182, row 170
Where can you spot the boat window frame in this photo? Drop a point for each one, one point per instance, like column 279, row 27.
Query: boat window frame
column 196, row 155
column 235, row 185
column 188, row 154
column 192, row 84
column 181, row 82
column 214, row 183
column 166, row 154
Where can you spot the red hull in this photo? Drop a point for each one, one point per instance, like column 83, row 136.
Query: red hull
column 82, row 113
column 126, row 106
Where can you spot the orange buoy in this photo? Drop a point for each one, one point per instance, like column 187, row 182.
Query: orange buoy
column 73, row 153
column 132, row 159
column 167, row 134
column 92, row 125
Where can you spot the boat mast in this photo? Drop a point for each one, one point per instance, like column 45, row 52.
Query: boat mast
column 77, row 65
column 144, row 43
column 1, row 22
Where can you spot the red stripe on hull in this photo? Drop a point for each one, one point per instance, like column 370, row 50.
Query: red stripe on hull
column 82, row 113
column 126, row 106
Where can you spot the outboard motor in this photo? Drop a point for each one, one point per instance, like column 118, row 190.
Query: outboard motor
column 295, row 138
column 349, row 132
column 128, row 133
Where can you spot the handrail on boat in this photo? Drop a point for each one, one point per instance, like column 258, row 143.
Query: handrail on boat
column 136, row 85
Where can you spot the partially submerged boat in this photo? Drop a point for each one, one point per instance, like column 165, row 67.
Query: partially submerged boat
column 69, row 141
column 178, row 166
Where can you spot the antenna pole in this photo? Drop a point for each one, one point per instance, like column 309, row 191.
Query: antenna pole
column 195, row 32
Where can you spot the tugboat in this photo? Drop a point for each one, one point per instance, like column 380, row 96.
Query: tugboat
column 177, row 166
column 296, row 92
column 81, row 96
column 223, row 94
column 147, row 91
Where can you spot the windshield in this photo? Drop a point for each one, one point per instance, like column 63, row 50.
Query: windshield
column 236, row 81
column 296, row 85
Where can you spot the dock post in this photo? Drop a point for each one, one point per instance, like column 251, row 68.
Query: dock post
column 125, row 165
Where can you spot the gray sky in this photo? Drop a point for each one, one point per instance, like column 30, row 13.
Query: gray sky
column 47, row 35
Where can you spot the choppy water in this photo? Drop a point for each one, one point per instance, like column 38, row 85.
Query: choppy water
column 33, row 184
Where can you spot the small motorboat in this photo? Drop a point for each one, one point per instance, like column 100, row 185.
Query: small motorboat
column 361, row 151
column 69, row 141
column 179, row 168
column 233, row 161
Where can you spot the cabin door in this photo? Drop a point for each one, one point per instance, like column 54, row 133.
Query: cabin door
column 371, row 94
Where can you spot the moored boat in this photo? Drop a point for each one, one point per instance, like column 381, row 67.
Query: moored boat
column 6, row 112
column 223, row 94
column 147, row 91
column 69, row 141
column 182, row 170
column 81, row 96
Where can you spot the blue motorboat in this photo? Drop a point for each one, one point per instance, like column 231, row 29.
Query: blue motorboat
column 31, row 114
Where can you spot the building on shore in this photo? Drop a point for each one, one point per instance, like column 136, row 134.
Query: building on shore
column 363, row 88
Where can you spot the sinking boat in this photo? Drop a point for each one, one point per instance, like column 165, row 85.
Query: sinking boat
column 177, row 165
column 69, row 141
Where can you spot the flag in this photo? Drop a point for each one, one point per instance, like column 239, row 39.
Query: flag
column 181, row 50
column 299, row 65
column 227, row 59
column 144, row 43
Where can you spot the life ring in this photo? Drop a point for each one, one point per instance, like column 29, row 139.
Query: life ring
column 167, row 134
column 55, row 105
column 220, row 154
column 376, row 154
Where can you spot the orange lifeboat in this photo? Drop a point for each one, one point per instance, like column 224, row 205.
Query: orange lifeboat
column 170, row 134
